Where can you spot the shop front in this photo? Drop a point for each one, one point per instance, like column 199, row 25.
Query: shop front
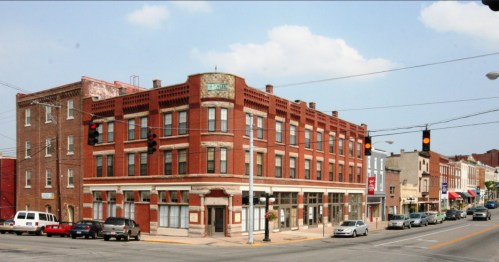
column 312, row 209
column 286, row 205
column 354, row 206
column 336, row 207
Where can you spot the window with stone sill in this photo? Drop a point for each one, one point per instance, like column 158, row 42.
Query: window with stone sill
column 173, row 210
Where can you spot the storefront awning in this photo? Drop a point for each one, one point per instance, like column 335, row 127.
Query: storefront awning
column 454, row 195
column 477, row 193
column 464, row 194
column 471, row 192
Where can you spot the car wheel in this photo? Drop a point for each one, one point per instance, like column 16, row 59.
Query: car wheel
column 106, row 238
column 73, row 236
column 490, row 218
column 473, row 219
column 2, row 232
column 137, row 238
column 41, row 232
column 19, row 233
column 49, row 235
column 118, row 238
column 365, row 233
column 354, row 235
column 87, row 237
column 403, row 227
column 62, row 235
column 410, row 226
column 127, row 237
column 94, row 235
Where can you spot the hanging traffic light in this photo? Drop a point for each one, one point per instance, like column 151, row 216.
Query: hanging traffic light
column 93, row 134
column 367, row 146
column 426, row 140
column 151, row 144
column 493, row 4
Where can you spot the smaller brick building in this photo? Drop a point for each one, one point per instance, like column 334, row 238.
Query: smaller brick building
column 392, row 190
column 7, row 186
column 491, row 158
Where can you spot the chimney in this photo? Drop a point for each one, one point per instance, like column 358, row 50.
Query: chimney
column 335, row 114
column 269, row 89
column 156, row 83
column 311, row 105
column 122, row 91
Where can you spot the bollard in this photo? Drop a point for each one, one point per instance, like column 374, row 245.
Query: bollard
column 376, row 223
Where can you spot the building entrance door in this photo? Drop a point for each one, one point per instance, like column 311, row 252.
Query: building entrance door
column 371, row 213
column 216, row 221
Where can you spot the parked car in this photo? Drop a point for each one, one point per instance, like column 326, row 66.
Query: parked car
column 452, row 214
column 6, row 226
column 470, row 210
column 491, row 205
column 351, row 228
column 62, row 229
column 86, row 228
column 461, row 213
column 33, row 222
column 400, row 221
column 120, row 228
column 419, row 219
column 435, row 217
column 482, row 213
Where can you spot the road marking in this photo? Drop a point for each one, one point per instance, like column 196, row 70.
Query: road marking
column 463, row 238
column 422, row 236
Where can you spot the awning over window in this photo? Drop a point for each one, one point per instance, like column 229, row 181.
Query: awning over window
column 471, row 192
column 454, row 195
column 464, row 194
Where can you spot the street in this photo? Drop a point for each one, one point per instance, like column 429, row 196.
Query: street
column 462, row 240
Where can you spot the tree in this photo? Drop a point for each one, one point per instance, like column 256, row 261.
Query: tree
column 491, row 186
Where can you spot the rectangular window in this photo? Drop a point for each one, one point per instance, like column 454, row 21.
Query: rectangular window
column 350, row 148
column 28, row 149
column 145, row 196
column 319, row 170
column 292, row 167
column 70, row 177
column 70, row 109
column 292, row 135
column 143, row 164
column 247, row 161
column 182, row 162
column 97, row 206
column 48, row 113
column 168, row 163
column 223, row 160
column 48, row 177
column 212, row 119
column 307, row 138
column 224, row 120
column 392, row 191
column 359, row 152
column 331, row 144
column 359, row 173
column 259, row 164
column 340, row 142
column 248, row 124
column 71, row 144
column 331, row 171
column 278, row 132
column 381, row 181
column 278, row 166
column 99, row 138
column 111, row 204
column 143, row 127
column 350, row 174
column 340, row 173
column 210, row 157
column 110, row 165
column 28, row 117
column 259, row 126
column 182, row 123
column 319, row 141
column 131, row 129
column 131, row 164
column 168, row 125
column 307, row 169
column 129, row 204
column 110, row 132
column 28, row 178
column 99, row 166
column 48, row 149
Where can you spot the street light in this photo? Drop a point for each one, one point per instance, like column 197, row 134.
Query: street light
column 267, row 198
column 493, row 75
column 410, row 202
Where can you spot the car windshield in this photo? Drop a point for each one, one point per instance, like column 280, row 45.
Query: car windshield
column 432, row 213
column 115, row 221
column 491, row 202
column 481, row 210
column 347, row 224
column 398, row 217
column 84, row 223
column 415, row 215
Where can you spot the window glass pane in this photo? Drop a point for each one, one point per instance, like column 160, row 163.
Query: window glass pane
column 211, row 119
column 110, row 132
column 224, row 124
column 182, row 123
column 174, row 216
column 163, row 216
column 131, row 129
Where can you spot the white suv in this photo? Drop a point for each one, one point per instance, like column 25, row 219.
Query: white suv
column 33, row 222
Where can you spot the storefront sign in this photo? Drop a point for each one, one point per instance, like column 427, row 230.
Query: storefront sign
column 310, row 213
column 282, row 215
column 218, row 87
column 47, row 195
column 370, row 186
column 444, row 188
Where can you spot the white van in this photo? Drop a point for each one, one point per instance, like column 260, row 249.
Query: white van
column 33, row 222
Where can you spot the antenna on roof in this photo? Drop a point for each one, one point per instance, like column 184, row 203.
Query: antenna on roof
column 215, row 68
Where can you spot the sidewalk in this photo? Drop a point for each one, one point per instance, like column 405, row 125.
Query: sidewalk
column 276, row 238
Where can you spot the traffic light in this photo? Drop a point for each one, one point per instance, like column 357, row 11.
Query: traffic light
column 93, row 134
column 367, row 146
column 151, row 144
column 426, row 140
column 493, row 4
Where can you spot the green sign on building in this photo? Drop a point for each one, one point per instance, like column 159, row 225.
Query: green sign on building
column 218, row 87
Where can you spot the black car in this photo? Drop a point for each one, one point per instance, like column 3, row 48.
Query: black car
column 452, row 214
column 86, row 228
column 470, row 210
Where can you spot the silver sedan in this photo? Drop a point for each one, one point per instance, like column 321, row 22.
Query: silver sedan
column 351, row 228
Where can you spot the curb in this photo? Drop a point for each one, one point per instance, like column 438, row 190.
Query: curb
column 171, row 242
column 240, row 245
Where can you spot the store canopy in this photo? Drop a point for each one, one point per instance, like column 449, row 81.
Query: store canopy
column 477, row 193
column 454, row 195
column 471, row 192
column 464, row 194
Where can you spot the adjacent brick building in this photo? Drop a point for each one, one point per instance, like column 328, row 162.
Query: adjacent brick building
column 7, row 187
column 392, row 190
column 491, row 158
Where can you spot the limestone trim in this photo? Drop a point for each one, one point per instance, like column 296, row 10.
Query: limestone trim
column 217, row 144
column 173, row 137
column 180, row 188
column 279, row 152
column 217, row 104
column 87, row 205
column 292, row 154
column 359, row 141
column 332, row 160
column 331, row 133
column 293, row 122
column 342, row 136
column 341, row 162
column 174, row 146
column 351, row 164
column 173, row 109
column 102, row 188
column 351, row 139
column 106, row 152
column 196, row 209
column 256, row 149
column 319, row 158
column 136, row 188
column 320, row 130
column 105, row 120
column 217, row 134
column 309, row 157
column 280, row 119
column 254, row 112
column 359, row 165
column 153, row 207
column 309, row 127
column 135, row 150
column 135, row 115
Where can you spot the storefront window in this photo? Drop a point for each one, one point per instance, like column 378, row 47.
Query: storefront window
column 174, row 209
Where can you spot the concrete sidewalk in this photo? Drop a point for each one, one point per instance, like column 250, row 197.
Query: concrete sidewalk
column 276, row 238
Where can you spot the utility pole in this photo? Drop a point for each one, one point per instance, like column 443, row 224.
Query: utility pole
column 250, row 211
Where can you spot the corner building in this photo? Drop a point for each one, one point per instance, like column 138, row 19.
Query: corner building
column 196, row 183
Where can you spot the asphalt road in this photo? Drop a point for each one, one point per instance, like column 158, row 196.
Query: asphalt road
column 463, row 240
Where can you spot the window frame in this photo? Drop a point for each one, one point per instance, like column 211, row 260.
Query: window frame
column 331, row 144
column 278, row 166
column 340, row 173
column 319, row 141
column 359, row 174
column 143, row 127
column 331, row 171
column 341, row 143
column 359, row 150
column 248, row 124
column 182, row 125
column 28, row 149
column 292, row 167
column 70, row 144
column 292, row 135
column 98, row 159
column 259, row 127
column 131, row 164
column 259, row 164
column 168, row 163
column 223, row 160
column 27, row 117
column 48, row 178
column 110, row 165
column 350, row 148
column 110, row 132
column 278, row 132
column 48, row 111
column 167, row 124
column 28, row 179
column 224, row 120
column 70, row 177
column 70, row 111
column 210, row 160
column 143, row 164
column 131, row 129
column 246, row 163
column 319, row 170
column 307, row 168
column 307, row 138
column 212, row 119
column 48, row 147
column 182, row 165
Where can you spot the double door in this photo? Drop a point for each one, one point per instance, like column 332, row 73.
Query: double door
column 216, row 221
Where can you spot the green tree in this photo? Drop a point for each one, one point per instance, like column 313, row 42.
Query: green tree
column 490, row 185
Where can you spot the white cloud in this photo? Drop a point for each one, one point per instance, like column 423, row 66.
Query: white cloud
column 149, row 16
column 293, row 50
column 464, row 18
column 194, row 6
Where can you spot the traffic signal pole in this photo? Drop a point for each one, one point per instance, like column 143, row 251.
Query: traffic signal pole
column 250, row 211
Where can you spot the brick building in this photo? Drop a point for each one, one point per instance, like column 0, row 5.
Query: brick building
column 196, row 184
column 434, row 181
column 491, row 158
column 50, row 146
column 7, row 187
column 392, row 189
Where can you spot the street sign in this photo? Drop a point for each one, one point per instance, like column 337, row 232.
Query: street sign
column 370, row 185
column 444, row 188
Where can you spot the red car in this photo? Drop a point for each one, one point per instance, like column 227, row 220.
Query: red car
column 62, row 229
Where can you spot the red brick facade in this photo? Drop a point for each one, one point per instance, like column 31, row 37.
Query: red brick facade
column 392, row 189
column 7, row 187
column 491, row 158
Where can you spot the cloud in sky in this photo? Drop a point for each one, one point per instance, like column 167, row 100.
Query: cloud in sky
column 194, row 6
column 149, row 16
column 293, row 50
column 476, row 21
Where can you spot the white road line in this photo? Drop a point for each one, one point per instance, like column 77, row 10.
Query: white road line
column 422, row 235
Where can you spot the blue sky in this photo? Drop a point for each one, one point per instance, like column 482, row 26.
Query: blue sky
column 47, row 44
